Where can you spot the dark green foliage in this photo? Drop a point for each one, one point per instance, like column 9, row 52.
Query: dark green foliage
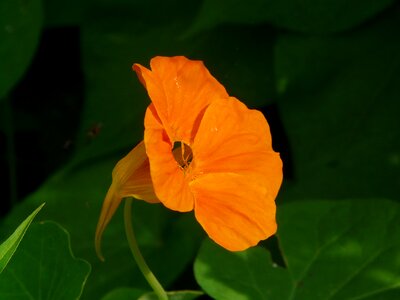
column 20, row 26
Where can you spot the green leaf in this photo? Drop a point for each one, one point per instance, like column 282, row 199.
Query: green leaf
column 123, row 294
column 44, row 267
column 339, row 105
column 238, row 275
column 8, row 247
column 175, row 295
column 316, row 16
column 20, row 23
column 332, row 250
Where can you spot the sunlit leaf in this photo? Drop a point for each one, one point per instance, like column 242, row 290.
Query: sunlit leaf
column 239, row 275
column 9, row 246
column 332, row 250
column 44, row 267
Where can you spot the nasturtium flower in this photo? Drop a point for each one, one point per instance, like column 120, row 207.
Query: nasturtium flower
column 204, row 151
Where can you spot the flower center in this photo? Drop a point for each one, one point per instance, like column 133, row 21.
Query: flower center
column 183, row 154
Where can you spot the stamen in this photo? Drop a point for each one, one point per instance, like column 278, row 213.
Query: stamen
column 183, row 154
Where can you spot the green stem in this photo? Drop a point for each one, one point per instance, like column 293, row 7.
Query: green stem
column 137, row 255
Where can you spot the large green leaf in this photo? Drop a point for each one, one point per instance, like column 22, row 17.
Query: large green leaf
column 20, row 23
column 9, row 246
column 316, row 16
column 332, row 250
column 339, row 105
column 238, row 275
column 44, row 267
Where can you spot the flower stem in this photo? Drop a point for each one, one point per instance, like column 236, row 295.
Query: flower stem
column 137, row 255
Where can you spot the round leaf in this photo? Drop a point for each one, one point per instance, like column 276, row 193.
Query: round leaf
column 54, row 273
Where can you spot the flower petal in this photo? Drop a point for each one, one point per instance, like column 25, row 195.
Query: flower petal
column 131, row 178
column 132, row 175
column 110, row 205
column 180, row 90
column 236, row 213
column 234, row 139
column 171, row 183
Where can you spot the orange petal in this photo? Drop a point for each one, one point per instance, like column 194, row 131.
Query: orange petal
column 131, row 178
column 235, row 212
column 234, row 139
column 180, row 90
column 110, row 205
column 171, row 183
column 133, row 174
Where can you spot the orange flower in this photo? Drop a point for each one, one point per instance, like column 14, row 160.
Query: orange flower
column 205, row 151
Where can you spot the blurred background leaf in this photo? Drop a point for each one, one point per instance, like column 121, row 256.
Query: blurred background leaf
column 44, row 267
column 315, row 16
column 339, row 104
column 332, row 250
column 20, row 27
column 61, row 13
